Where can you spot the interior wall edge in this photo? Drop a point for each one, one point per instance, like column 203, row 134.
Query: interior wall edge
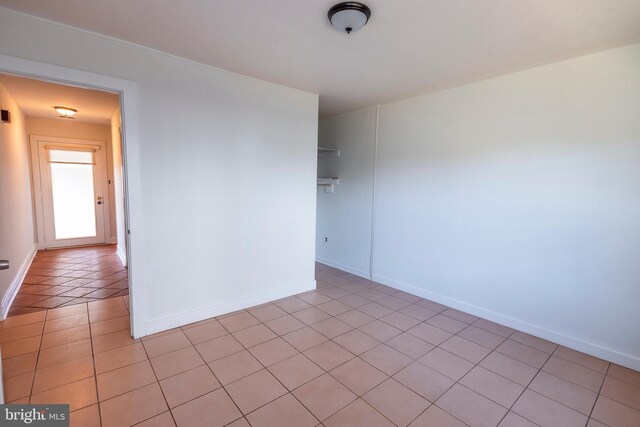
column 225, row 307
column 16, row 283
column 589, row 348
column 118, row 186
column 373, row 192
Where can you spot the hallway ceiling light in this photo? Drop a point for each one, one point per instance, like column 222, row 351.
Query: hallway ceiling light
column 349, row 16
column 65, row 112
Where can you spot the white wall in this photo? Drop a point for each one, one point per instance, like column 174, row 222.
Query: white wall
column 227, row 166
column 516, row 199
column 76, row 130
column 17, row 237
column 118, row 186
column 344, row 216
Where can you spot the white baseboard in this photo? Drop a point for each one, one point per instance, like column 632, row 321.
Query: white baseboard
column 121, row 255
column 181, row 319
column 11, row 293
column 592, row 349
column 357, row 272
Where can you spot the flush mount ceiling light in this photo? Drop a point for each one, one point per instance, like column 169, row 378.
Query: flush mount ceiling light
column 349, row 16
column 65, row 112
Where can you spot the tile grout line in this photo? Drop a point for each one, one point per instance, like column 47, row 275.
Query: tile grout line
column 414, row 359
column 95, row 373
column 462, row 385
column 325, row 372
column 444, row 392
column 599, row 394
column 358, row 397
column 35, row 368
column 533, row 378
column 242, row 415
column 157, row 382
column 267, row 369
column 525, row 389
column 438, row 346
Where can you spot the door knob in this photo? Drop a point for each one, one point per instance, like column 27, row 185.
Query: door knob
column 99, row 200
column 4, row 264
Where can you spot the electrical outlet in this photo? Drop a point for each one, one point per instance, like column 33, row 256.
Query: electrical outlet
column 326, row 239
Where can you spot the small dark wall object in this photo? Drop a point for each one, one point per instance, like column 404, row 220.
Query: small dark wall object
column 5, row 116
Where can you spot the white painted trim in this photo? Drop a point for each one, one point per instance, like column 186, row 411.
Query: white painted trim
column 11, row 293
column 134, row 214
column 592, row 349
column 229, row 306
column 36, row 190
column 121, row 255
column 356, row 271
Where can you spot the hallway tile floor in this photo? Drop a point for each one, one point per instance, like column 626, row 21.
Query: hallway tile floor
column 62, row 277
column 351, row 353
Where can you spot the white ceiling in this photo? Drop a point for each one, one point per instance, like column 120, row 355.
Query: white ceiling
column 408, row 47
column 37, row 98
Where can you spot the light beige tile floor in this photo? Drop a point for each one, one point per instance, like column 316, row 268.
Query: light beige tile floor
column 351, row 353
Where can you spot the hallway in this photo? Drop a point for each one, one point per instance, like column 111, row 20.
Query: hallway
column 63, row 277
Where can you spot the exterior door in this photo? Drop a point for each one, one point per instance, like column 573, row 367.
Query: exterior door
column 71, row 184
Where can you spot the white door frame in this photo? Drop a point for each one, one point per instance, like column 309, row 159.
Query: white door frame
column 128, row 92
column 38, row 192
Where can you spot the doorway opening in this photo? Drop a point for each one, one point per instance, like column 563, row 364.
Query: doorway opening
column 77, row 192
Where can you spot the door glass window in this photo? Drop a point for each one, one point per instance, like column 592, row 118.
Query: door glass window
column 72, row 187
column 68, row 156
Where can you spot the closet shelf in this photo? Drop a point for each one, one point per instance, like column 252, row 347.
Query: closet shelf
column 328, row 152
column 328, row 183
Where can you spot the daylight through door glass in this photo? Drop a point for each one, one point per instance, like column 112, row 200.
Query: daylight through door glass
column 72, row 188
